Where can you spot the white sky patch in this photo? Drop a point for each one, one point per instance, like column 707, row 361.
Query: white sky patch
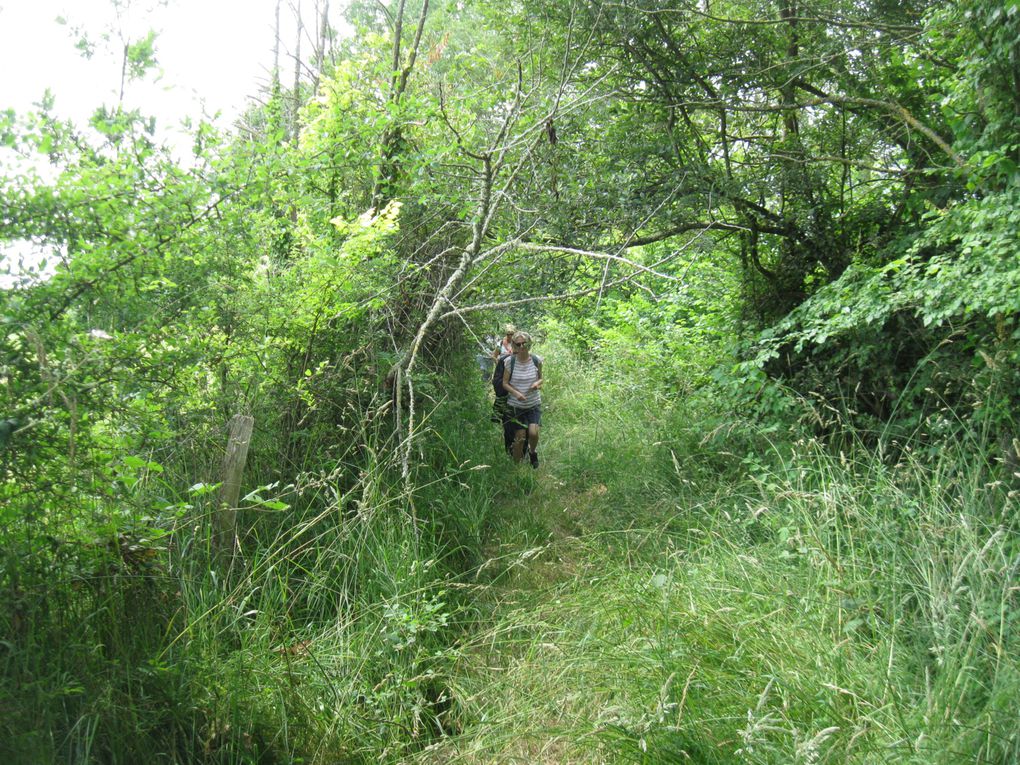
column 213, row 57
column 219, row 51
column 24, row 262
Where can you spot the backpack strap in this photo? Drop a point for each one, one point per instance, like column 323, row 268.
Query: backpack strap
column 534, row 357
column 497, row 374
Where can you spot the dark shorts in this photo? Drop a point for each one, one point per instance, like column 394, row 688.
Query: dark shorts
column 522, row 418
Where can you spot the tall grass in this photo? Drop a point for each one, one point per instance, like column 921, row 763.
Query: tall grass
column 328, row 641
column 802, row 607
column 670, row 586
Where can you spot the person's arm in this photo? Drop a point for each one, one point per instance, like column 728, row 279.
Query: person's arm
column 537, row 385
column 506, row 383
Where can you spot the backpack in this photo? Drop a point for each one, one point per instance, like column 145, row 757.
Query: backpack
column 497, row 373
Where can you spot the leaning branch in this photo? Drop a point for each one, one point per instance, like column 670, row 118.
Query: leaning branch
column 413, row 55
column 897, row 110
column 455, row 311
column 595, row 256
column 685, row 228
column 441, row 299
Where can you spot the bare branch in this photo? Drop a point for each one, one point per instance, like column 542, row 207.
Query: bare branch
column 413, row 55
column 595, row 256
column 897, row 110
column 565, row 295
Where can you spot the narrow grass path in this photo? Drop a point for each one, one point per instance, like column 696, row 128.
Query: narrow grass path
column 520, row 703
column 546, row 675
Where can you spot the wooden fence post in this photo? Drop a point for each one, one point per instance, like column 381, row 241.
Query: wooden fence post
column 225, row 519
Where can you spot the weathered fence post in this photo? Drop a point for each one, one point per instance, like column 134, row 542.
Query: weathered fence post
column 225, row 519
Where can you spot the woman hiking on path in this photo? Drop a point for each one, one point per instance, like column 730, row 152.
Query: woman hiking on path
column 523, row 381
column 506, row 344
column 500, row 347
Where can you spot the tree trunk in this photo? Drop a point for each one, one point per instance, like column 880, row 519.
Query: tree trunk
column 389, row 150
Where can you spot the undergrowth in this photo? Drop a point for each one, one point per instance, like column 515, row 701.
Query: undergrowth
column 673, row 585
column 706, row 594
column 328, row 638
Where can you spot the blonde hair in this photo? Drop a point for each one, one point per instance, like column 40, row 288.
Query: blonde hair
column 524, row 335
column 509, row 329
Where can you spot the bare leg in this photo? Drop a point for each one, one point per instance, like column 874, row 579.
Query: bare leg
column 519, row 445
column 533, row 437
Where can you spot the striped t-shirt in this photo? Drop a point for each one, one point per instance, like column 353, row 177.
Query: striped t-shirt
column 524, row 374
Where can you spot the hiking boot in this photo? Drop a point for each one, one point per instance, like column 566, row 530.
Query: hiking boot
column 533, row 456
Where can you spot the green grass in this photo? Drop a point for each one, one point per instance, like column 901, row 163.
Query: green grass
column 802, row 607
column 328, row 641
column 664, row 589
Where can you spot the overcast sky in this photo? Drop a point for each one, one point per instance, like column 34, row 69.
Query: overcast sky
column 213, row 56
column 216, row 50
